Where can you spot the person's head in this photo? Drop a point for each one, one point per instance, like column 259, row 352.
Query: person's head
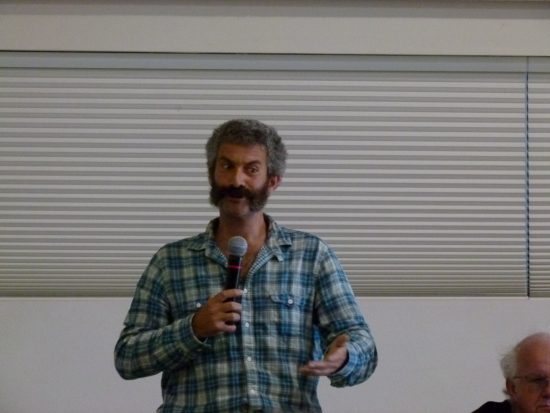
column 526, row 369
column 246, row 159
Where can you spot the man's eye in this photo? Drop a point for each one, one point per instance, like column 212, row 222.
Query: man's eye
column 542, row 381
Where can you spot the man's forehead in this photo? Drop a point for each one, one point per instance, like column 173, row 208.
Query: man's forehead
column 535, row 355
column 248, row 153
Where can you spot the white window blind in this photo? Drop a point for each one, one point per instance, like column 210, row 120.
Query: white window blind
column 414, row 169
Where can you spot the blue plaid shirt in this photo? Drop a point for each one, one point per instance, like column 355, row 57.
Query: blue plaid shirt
column 296, row 300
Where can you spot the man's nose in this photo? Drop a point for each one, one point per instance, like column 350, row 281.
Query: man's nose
column 237, row 178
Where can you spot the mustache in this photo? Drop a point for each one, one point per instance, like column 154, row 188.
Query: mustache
column 256, row 199
column 235, row 192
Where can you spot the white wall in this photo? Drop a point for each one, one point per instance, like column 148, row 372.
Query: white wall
column 436, row 355
column 419, row 27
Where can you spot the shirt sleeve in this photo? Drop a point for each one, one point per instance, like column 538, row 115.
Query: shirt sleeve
column 339, row 313
column 151, row 341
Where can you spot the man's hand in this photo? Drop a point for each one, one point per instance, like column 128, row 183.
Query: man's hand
column 335, row 358
column 218, row 315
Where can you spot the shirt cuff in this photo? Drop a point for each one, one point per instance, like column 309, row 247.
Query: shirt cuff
column 339, row 378
column 189, row 342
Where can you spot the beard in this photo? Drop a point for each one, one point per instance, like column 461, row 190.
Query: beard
column 256, row 199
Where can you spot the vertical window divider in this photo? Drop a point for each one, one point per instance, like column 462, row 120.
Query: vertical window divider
column 527, row 187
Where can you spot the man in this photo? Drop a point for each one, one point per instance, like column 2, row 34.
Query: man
column 526, row 369
column 260, row 347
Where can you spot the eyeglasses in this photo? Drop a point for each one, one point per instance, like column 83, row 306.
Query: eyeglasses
column 535, row 382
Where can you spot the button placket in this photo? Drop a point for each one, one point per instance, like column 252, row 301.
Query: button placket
column 249, row 347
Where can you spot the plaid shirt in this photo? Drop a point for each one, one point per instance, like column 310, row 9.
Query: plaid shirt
column 296, row 300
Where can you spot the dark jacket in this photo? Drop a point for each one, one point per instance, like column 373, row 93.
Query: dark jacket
column 495, row 407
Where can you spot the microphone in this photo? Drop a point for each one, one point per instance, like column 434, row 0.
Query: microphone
column 236, row 248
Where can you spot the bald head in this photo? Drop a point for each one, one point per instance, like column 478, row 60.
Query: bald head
column 533, row 353
column 527, row 372
column 538, row 342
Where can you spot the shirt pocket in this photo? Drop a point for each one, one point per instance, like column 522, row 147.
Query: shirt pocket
column 288, row 314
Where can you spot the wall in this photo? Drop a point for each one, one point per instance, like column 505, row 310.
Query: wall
column 435, row 354
column 56, row 356
column 430, row 27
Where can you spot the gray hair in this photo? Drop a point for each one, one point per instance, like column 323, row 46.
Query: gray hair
column 509, row 361
column 248, row 132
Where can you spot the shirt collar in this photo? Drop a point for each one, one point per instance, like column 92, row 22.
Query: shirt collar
column 277, row 239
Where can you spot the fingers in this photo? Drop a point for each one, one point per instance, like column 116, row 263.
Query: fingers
column 323, row 367
column 218, row 315
column 317, row 368
column 227, row 323
column 231, row 318
column 226, row 295
column 334, row 359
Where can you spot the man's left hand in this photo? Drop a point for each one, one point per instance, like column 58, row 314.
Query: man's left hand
column 335, row 358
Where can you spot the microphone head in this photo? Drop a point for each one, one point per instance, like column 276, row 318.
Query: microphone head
column 237, row 246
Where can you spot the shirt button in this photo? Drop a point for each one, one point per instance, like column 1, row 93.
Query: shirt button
column 249, row 358
column 245, row 291
column 252, row 391
column 198, row 305
column 290, row 301
column 247, row 324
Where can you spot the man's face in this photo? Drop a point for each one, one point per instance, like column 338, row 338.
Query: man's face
column 530, row 391
column 240, row 184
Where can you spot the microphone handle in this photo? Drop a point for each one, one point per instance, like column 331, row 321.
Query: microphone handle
column 234, row 265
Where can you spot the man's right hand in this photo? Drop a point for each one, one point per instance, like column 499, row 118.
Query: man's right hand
column 218, row 315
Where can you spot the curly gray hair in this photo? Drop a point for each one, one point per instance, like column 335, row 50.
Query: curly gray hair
column 248, row 132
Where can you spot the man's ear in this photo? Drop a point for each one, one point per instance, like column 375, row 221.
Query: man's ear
column 274, row 182
column 511, row 388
